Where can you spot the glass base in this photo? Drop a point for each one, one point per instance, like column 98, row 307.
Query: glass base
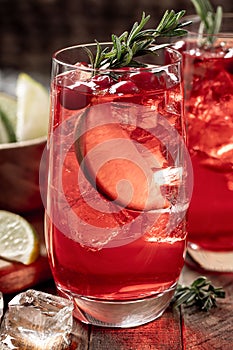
column 121, row 314
column 218, row 261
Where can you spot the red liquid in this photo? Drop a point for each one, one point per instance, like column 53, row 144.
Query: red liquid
column 143, row 254
column 208, row 80
column 138, row 269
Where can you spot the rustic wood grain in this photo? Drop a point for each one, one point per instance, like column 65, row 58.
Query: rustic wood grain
column 80, row 336
column 208, row 331
column 211, row 330
column 163, row 333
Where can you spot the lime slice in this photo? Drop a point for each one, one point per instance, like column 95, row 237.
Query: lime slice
column 32, row 108
column 18, row 239
column 7, row 118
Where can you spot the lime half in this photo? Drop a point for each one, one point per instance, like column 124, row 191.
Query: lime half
column 18, row 239
column 32, row 108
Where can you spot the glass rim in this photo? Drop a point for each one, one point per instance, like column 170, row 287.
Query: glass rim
column 194, row 18
column 194, row 15
column 121, row 69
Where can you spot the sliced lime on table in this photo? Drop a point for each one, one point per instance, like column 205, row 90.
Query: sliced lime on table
column 32, row 108
column 18, row 239
column 8, row 107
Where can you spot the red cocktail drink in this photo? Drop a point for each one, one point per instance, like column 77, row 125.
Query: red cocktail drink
column 208, row 77
column 116, row 203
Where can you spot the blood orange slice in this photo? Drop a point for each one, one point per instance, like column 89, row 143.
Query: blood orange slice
column 113, row 163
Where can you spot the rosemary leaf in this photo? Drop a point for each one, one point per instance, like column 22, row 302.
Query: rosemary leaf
column 218, row 20
column 210, row 21
column 117, row 45
column 138, row 42
column 200, row 293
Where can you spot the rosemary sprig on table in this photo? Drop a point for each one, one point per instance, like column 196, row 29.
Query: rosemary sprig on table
column 200, row 293
column 210, row 20
column 137, row 42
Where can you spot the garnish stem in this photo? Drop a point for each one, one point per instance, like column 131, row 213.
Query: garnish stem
column 200, row 293
column 210, row 21
column 138, row 42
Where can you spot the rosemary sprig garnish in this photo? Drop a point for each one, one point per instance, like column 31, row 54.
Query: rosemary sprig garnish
column 137, row 42
column 210, row 20
column 200, row 293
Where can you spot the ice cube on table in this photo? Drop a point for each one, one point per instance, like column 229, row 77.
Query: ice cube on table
column 4, row 347
column 37, row 320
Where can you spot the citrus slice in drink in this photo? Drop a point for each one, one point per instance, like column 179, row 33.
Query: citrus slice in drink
column 112, row 162
column 18, row 239
column 32, row 108
column 7, row 118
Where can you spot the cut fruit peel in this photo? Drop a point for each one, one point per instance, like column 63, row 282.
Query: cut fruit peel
column 112, row 162
column 32, row 108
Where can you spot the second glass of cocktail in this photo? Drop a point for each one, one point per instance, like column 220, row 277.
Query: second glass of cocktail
column 117, row 185
column 208, row 77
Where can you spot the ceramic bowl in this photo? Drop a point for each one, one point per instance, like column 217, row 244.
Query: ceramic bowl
column 20, row 164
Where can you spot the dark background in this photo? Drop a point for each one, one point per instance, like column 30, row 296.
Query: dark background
column 31, row 30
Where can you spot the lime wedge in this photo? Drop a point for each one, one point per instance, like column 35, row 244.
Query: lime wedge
column 18, row 239
column 32, row 108
column 7, row 118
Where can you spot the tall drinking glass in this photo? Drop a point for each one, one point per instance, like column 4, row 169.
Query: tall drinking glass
column 208, row 77
column 117, row 186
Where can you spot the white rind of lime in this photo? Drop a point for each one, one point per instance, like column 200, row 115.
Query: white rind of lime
column 4, row 134
column 32, row 108
column 8, row 107
column 18, row 239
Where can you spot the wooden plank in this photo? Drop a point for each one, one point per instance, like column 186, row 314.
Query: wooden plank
column 208, row 331
column 214, row 329
column 163, row 333
column 80, row 336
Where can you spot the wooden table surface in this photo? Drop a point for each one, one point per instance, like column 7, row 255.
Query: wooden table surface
column 177, row 329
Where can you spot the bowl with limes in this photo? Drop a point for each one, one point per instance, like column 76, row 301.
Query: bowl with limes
column 23, row 136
